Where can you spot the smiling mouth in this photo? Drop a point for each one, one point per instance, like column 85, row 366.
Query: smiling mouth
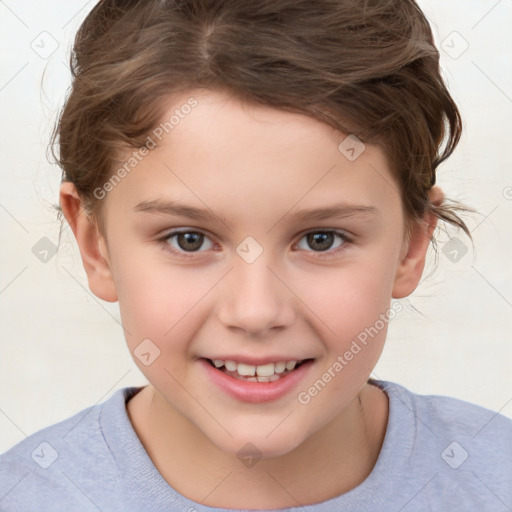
column 269, row 372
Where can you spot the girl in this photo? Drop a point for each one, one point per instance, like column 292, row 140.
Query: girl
column 255, row 183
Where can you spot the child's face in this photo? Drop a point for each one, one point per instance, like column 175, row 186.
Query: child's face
column 256, row 289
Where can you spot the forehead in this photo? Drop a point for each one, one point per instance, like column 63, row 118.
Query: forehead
column 223, row 125
column 255, row 156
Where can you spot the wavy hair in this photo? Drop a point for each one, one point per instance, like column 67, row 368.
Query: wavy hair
column 365, row 67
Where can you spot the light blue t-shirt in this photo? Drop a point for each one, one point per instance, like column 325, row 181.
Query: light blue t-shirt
column 439, row 454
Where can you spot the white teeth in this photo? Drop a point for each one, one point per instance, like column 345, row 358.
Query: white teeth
column 246, row 369
column 262, row 373
column 230, row 366
column 280, row 367
column 265, row 370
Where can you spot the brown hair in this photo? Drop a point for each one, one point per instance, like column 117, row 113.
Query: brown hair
column 368, row 68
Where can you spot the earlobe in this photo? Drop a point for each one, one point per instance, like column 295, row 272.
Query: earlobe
column 91, row 244
column 411, row 266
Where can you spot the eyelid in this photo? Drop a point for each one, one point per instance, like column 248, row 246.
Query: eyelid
column 177, row 231
column 344, row 235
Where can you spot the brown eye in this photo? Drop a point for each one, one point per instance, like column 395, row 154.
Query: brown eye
column 190, row 241
column 323, row 241
column 186, row 241
column 320, row 241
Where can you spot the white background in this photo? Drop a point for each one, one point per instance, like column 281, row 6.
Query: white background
column 63, row 350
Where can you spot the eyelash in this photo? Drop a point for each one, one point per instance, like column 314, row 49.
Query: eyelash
column 318, row 254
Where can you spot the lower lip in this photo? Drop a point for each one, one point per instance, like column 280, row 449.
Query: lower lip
column 256, row 392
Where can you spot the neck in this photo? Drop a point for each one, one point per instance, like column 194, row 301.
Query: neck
column 332, row 461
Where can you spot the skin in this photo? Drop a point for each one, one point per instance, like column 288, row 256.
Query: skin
column 256, row 167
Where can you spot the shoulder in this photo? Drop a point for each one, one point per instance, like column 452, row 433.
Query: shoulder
column 449, row 415
column 457, row 450
column 47, row 463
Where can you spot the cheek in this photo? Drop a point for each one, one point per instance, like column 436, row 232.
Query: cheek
column 348, row 299
column 353, row 310
column 352, row 306
column 160, row 302
column 159, row 311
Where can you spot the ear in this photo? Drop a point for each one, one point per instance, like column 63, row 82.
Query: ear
column 411, row 266
column 91, row 243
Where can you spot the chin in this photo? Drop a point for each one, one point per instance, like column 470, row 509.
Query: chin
column 245, row 444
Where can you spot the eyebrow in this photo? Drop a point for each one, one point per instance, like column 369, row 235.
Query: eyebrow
column 181, row 210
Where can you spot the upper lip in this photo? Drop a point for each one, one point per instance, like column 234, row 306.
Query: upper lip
column 257, row 361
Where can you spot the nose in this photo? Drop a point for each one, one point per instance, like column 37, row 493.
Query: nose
column 254, row 298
